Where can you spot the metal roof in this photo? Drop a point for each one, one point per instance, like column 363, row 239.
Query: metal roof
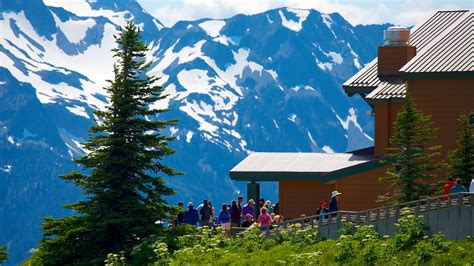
column 453, row 51
column 392, row 87
column 265, row 166
column 367, row 79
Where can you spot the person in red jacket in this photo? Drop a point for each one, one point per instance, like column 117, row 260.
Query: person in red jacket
column 447, row 188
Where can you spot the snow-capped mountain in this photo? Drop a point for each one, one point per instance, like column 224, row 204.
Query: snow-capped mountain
column 265, row 82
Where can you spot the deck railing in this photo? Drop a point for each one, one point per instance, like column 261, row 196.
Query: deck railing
column 375, row 214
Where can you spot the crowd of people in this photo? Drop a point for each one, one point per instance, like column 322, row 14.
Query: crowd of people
column 233, row 215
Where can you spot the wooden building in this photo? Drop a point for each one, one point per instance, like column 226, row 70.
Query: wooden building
column 435, row 62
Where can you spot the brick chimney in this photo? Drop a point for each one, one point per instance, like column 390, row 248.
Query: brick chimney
column 396, row 52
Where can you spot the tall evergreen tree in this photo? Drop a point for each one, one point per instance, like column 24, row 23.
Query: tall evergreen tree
column 462, row 158
column 124, row 195
column 3, row 254
column 412, row 156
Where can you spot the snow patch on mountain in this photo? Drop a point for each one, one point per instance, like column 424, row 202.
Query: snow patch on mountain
column 352, row 117
column 75, row 30
column 290, row 23
column 32, row 60
column 73, row 143
column 311, row 139
column 78, row 110
column 327, row 149
column 6, row 168
column 336, row 58
column 83, row 8
column 292, row 117
column 189, row 136
column 327, row 20
column 186, row 54
column 212, row 27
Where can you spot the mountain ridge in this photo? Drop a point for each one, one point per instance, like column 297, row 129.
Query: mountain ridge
column 264, row 82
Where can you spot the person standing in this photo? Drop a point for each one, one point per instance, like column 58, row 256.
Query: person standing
column 180, row 217
column 224, row 219
column 276, row 208
column 235, row 215
column 248, row 208
column 212, row 219
column 239, row 203
column 205, row 213
column 459, row 187
column 447, row 187
column 322, row 210
column 191, row 216
column 333, row 204
column 268, row 205
column 471, row 188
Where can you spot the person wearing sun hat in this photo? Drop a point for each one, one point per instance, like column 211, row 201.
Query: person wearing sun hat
column 333, row 206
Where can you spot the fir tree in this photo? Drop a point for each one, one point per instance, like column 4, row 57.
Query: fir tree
column 412, row 156
column 3, row 254
column 462, row 158
column 124, row 195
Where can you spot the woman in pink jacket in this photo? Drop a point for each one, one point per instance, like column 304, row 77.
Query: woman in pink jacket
column 264, row 219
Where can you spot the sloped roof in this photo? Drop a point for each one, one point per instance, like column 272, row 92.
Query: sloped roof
column 274, row 166
column 378, row 87
column 453, row 51
column 393, row 88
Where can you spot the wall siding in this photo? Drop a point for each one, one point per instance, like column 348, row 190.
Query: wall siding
column 385, row 116
column 444, row 100
column 298, row 197
column 361, row 191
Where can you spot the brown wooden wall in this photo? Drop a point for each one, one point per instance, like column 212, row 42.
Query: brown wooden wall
column 298, row 197
column 385, row 116
column 445, row 100
column 360, row 191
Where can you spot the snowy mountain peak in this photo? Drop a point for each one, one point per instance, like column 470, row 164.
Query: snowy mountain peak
column 264, row 82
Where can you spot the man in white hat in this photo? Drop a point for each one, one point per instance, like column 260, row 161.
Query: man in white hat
column 333, row 207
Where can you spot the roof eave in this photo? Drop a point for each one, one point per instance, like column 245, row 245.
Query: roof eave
column 352, row 170
column 351, row 90
column 273, row 176
column 375, row 101
column 436, row 75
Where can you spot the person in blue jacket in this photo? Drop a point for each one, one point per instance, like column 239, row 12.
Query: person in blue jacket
column 333, row 206
column 224, row 219
column 459, row 187
column 191, row 216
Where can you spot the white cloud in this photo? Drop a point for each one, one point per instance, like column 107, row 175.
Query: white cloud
column 402, row 12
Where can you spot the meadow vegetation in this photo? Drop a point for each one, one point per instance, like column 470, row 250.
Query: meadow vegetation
column 298, row 245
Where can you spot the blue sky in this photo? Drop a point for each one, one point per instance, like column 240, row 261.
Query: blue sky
column 400, row 12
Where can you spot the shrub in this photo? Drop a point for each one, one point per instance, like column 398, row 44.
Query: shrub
column 410, row 230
